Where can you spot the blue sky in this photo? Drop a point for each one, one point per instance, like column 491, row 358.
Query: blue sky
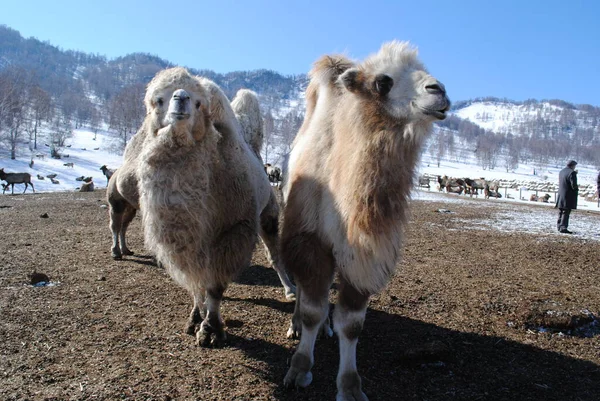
column 516, row 49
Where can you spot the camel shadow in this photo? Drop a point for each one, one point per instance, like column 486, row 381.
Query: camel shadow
column 257, row 275
column 401, row 358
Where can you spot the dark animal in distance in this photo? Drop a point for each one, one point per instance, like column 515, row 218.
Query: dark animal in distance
column 68, row 165
column 107, row 172
column 16, row 178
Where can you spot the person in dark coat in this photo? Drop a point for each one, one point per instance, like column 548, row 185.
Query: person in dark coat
column 566, row 200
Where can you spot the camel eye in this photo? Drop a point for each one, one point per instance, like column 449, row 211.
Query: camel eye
column 159, row 101
column 198, row 104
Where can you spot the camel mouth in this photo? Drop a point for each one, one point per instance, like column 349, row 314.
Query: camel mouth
column 180, row 116
column 440, row 114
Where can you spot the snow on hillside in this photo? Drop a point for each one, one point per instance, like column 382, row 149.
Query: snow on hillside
column 86, row 154
column 505, row 117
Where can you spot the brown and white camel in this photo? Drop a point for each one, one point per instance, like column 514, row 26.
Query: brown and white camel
column 123, row 194
column 346, row 198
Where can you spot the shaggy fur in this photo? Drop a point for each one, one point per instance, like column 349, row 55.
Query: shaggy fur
column 203, row 194
column 252, row 125
column 122, row 191
column 350, row 174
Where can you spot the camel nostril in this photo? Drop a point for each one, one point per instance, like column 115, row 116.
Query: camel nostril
column 435, row 89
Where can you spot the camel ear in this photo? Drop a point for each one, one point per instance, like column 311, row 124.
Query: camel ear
column 383, row 84
column 353, row 79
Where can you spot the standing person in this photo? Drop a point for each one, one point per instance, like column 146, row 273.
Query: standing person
column 566, row 200
column 598, row 188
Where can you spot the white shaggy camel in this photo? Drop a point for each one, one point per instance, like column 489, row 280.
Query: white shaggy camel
column 122, row 192
column 203, row 194
column 350, row 174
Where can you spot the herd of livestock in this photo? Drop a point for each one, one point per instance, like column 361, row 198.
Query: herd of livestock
column 492, row 188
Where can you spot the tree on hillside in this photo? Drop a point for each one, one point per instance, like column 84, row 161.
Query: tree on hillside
column 62, row 130
column 512, row 154
column 95, row 121
column 488, row 150
column 40, row 109
column 126, row 112
column 13, row 104
column 269, row 134
column 289, row 128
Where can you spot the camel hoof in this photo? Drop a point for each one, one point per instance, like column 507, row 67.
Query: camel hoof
column 290, row 294
column 297, row 378
column 355, row 396
column 350, row 388
column 192, row 329
column 209, row 336
column 294, row 331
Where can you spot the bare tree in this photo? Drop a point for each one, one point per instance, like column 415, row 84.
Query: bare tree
column 127, row 111
column 95, row 122
column 62, row 130
column 269, row 133
column 13, row 104
column 40, row 107
column 289, row 128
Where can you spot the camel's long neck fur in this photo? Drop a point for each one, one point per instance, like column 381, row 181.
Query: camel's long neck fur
column 174, row 188
column 382, row 169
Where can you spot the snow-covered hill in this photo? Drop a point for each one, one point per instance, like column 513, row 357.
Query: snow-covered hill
column 86, row 153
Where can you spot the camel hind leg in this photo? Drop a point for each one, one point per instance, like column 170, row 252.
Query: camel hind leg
column 269, row 233
column 121, row 214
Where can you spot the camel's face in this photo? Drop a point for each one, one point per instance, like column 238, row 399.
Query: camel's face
column 399, row 81
column 430, row 97
column 179, row 102
column 410, row 92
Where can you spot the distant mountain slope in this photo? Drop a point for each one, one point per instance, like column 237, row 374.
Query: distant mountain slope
column 499, row 133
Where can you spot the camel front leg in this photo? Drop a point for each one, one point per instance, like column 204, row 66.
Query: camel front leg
column 348, row 319
column 212, row 328
column 198, row 312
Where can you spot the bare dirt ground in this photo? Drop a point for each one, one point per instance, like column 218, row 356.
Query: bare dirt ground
column 460, row 321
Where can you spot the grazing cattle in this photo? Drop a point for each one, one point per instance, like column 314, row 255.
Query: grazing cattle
column 16, row 178
column 87, row 187
column 536, row 198
column 424, row 182
column 347, row 192
column 472, row 187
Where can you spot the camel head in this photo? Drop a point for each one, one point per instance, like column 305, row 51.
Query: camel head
column 396, row 79
column 177, row 105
